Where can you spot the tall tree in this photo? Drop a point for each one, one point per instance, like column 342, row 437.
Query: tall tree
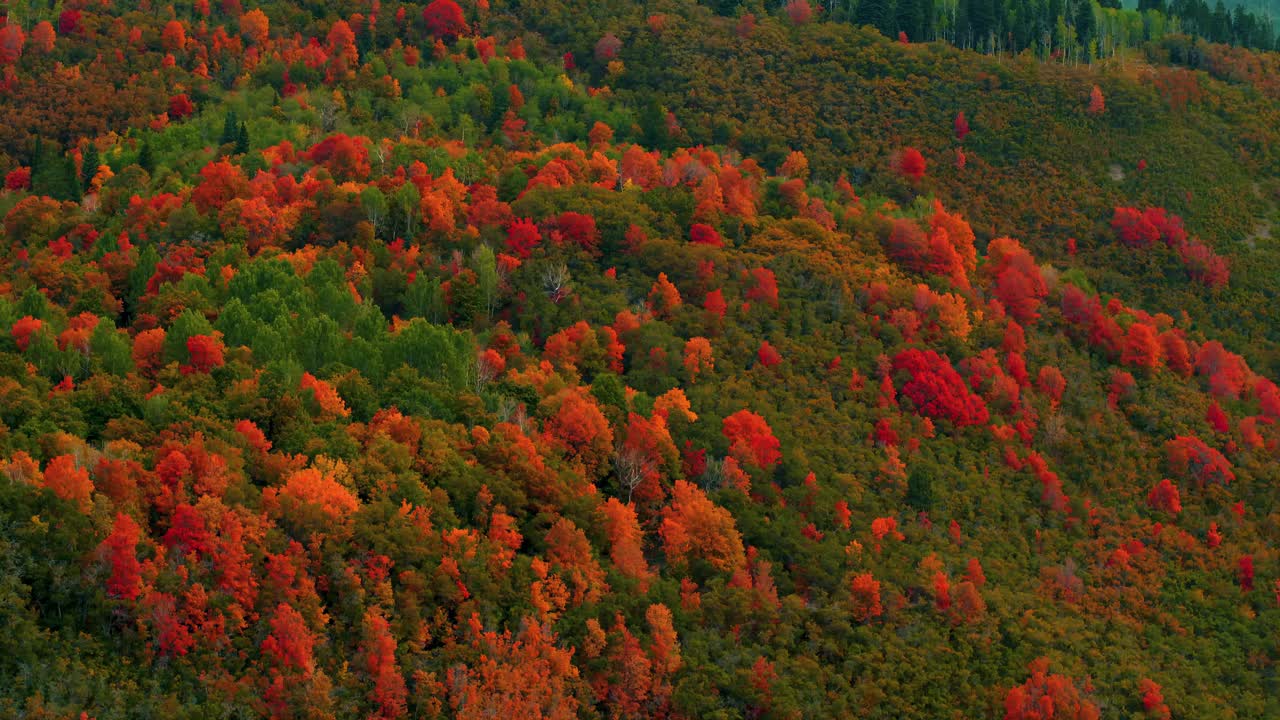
column 89, row 162
column 875, row 13
column 909, row 18
column 230, row 128
column 1086, row 26
column 920, row 487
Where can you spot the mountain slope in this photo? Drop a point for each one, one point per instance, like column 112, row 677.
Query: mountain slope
column 388, row 375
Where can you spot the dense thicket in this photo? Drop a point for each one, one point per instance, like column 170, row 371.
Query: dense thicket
column 566, row 359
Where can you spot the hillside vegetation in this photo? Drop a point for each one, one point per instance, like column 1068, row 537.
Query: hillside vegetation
column 565, row 359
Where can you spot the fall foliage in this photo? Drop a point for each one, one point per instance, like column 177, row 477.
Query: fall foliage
column 560, row 359
column 693, row 527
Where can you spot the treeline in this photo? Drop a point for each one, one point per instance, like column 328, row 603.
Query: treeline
column 1075, row 30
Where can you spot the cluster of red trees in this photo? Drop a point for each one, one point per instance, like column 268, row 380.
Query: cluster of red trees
column 278, row 523
column 1143, row 228
column 937, row 390
column 946, row 249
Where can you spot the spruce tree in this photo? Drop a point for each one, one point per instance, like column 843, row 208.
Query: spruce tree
column 653, row 123
column 873, row 12
column 37, row 161
column 54, row 174
column 89, row 162
column 1220, row 29
column 230, row 129
column 982, row 20
column 1085, row 27
column 920, row 488
column 909, row 19
column 70, row 184
column 146, row 157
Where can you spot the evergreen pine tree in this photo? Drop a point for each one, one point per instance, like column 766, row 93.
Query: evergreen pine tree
column 928, row 28
column 653, row 122
column 146, row 157
column 920, row 488
column 37, row 155
column 230, row 129
column 978, row 21
column 54, row 174
column 89, row 162
column 909, row 18
column 242, row 139
column 70, row 184
column 1220, row 29
column 148, row 259
column 872, row 12
column 1085, row 27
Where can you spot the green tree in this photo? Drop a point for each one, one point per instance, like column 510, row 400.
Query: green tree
column 42, row 351
column 920, row 487
column 147, row 157
column 242, row 139
column 1086, row 26
column 609, row 390
column 54, row 173
column 375, row 205
column 437, row 351
column 230, row 129
column 486, row 268
column 407, row 202
column 110, row 349
column 318, row 342
column 653, row 123
column 909, row 18
column 89, row 162
column 148, row 259
column 186, row 325
column 875, row 13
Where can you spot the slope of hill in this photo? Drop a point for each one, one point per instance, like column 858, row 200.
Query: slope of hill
column 402, row 365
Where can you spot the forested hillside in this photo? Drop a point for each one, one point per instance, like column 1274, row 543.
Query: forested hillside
column 568, row 359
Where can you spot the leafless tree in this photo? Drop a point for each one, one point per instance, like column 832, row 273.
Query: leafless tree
column 483, row 372
column 409, row 120
column 713, row 475
column 632, row 466
column 329, row 112
column 556, row 281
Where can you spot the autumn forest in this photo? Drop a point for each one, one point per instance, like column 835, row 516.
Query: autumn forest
column 567, row 359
